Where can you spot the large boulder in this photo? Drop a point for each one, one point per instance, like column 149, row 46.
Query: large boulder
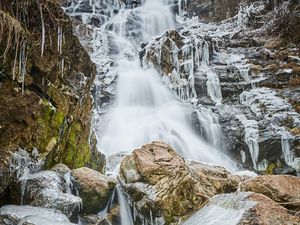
column 163, row 185
column 47, row 189
column 66, row 203
column 29, row 215
column 282, row 189
column 93, row 187
column 242, row 208
column 31, row 184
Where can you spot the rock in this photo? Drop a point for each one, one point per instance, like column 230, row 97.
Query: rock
column 267, row 212
column 62, row 169
column 216, row 179
column 280, row 188
column 242, row 208
column 94, row 220
column 45, row 112
column 93, row 187
column 32, row 184
column 29, row 215
column 68, row 204
column 162, row 184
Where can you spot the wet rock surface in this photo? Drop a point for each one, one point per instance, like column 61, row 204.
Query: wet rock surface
column 160, row 181
column 93, row 188
column 281, row 189
column 94, row 220
column 29, row 215
column 66, row 203
column 242, row 208
column 45, row 96
column 249, row 82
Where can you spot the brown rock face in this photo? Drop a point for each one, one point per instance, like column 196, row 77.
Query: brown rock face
column 45, row 81
column 93, row 187
column 267, row 212
column 242, row 208
column 214, row 10
column 163, row 184
column 282, row 189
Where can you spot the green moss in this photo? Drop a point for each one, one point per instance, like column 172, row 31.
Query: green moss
column 49, row 123
column 77, row 152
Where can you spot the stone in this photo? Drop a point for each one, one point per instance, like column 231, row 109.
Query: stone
column 242, row 208
column 94, row 220
column 93, row 187
column 30, row 185
column 162, row 184
column 68, row 204
column 216, row 178
column 62, row 169
column 282, row 189
column 29, row 215
column 50, row 113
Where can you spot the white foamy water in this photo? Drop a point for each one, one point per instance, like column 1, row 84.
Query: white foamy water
column 225, row 209
column 144, row 109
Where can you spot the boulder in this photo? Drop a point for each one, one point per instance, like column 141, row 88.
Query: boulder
column 163, row 185
column 242, row 208
column 29, row 215
column 282, row 189
column 216, row 179
column 31, row 184
column 93, row 187
column 68, row 204
column 267, row 212
column 62, row 169
column 94, row 220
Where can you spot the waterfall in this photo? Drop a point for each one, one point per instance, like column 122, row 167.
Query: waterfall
column 144, row 109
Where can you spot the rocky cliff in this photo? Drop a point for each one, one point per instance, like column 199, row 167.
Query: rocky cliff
column 245, row 69
column 45, row 81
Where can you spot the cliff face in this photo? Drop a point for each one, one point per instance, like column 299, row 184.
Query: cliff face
column 45, row 82
column 214, row 10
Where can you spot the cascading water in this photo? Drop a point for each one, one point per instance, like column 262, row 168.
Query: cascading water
column 144, row 109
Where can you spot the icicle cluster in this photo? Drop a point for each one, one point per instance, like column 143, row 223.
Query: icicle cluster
column 188, row 55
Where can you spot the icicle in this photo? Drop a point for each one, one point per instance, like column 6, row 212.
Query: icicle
column 59, row 39
column 43, row 27
column 22, row 64
column 251, row 137
column 62, row 67
column 287, row 153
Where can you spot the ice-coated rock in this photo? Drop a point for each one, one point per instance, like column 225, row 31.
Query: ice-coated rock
column 29, row 215
column 31, row 184
column 68, row 204
column 242, row 208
